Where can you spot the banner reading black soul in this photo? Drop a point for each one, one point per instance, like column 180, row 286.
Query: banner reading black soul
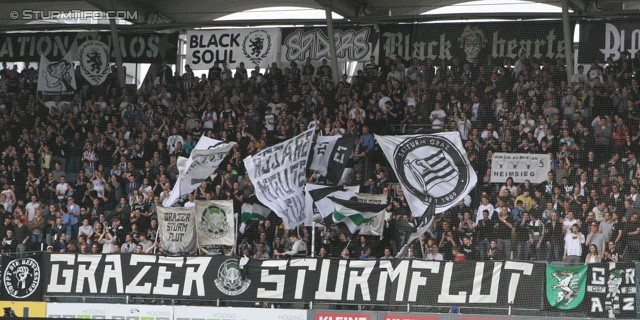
column 21, row 277
column 134, row 47
column 600, row 40
column 467, row 41
column 352, row 44
column 372, row 281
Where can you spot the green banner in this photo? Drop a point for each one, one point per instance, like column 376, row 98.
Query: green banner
column 566, row 286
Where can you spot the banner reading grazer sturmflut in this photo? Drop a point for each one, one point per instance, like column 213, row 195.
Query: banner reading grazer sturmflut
column 497, row 284
column 600, row 40
column 520, row 167
column 215, row 222
column 254, row 47
column 134, row 47
column 279, row 175
column 468, row 41
column 352, row 44
column 177, row 229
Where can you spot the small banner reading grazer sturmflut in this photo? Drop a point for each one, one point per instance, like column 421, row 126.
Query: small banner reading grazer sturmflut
column 566, row 286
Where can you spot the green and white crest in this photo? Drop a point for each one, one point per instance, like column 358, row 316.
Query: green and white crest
column 566, row 286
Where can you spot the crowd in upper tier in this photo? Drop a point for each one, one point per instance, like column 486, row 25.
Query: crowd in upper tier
column 85, row 173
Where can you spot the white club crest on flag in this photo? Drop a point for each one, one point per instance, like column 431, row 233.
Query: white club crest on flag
column 434, row 173
column 215, row 222
column 94, row 61
column 57, row 77
column 430, row 168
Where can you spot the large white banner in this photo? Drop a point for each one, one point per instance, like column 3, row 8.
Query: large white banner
column 322, row 153
column 279, row 176
column 431, row 168
column 254, row 47
column 177, row 229
column 520, row 167
column 203, row 160
column 215, row 222
column 56, row 77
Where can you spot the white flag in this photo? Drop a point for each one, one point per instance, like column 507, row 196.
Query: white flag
column 430, row 168
column 318, row 194
column 322, row 153
column 215, row 222
column 354, row 214
column 279, row 175
column 56, row 77
column 177, row 229
column 204, row 160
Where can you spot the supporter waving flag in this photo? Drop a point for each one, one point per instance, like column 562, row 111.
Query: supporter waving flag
column 434, row 173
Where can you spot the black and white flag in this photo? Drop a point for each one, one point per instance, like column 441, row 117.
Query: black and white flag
column 94, row 61
column 434, row 173
column 318, row 195
column 340, row 155
column 322, row 153
column 56, row 77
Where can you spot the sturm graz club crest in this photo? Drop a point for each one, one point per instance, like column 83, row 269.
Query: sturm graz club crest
column 214, row 222
column 94, row 61
column 256, row 46
column 230, row 281
column 427, row 168
column 21, row 277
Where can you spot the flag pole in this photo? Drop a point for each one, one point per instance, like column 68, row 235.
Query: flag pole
column 235, row 233
column 313, row 239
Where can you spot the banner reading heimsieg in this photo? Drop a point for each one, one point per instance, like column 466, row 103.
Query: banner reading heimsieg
column 134, row 47
column 600, row 40
column 279, row 175
column 254, row 47
column 520, row 167
column 467, row 41
column 352, row 44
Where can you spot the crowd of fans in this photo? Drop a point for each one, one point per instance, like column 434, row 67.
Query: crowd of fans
column 85, row 173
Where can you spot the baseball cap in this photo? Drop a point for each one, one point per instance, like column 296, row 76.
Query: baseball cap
column 595, row 224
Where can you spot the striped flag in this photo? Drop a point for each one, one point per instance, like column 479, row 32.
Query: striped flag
column 432, row 170
column 355, row 215
column 254, row 211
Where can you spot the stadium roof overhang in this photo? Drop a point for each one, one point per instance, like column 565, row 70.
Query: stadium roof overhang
column 185, row 14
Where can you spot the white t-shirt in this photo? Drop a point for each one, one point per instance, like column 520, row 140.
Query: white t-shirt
column 269, row 121
column 437, row 123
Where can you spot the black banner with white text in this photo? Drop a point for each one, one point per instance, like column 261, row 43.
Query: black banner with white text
column 351, row 281
column 134, row 47
column 22, row 278
column 467, row 41
column 600, row 40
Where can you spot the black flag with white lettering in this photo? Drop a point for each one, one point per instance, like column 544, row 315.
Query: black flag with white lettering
column 339, row 157
column 21, row 277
